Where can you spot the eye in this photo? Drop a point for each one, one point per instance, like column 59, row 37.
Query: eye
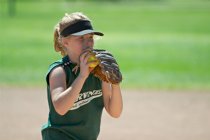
column 80, row 38
column 91, row 35
column 90, row 38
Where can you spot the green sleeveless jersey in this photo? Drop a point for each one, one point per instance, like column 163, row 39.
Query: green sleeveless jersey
column 82, row 121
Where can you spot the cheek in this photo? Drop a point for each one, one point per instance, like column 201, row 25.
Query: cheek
column 76, row 47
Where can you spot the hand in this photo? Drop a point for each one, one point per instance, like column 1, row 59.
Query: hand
column 108, row 69
column 85, row 62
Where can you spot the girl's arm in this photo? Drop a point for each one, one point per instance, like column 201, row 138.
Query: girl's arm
column 112, row 99
column 63, row 98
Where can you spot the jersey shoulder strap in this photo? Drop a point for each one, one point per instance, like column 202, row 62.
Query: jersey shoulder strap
column 65, row 63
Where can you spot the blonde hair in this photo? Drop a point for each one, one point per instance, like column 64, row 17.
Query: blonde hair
column 66, row 21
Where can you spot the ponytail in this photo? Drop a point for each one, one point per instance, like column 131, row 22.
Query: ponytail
column 57, row 45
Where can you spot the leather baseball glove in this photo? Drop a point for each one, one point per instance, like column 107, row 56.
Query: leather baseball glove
column 106, row 67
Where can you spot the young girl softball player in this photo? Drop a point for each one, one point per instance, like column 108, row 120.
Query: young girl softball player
column 76, row 97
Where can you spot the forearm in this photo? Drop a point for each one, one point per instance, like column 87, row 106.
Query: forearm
column 115, row 103
column 65, row 100
column 112, row 99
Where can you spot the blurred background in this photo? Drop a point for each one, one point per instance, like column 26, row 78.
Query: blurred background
column 158, row 43
column 162, row 47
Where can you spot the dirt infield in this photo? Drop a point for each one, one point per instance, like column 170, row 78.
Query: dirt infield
column 147, row 115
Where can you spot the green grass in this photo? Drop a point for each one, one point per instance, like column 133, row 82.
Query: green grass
column 159, row 45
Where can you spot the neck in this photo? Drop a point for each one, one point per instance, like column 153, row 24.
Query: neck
column 73, row 58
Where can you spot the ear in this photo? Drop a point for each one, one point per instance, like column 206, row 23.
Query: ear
column 65, row 42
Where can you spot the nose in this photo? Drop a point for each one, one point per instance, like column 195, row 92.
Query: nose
column 88, row 41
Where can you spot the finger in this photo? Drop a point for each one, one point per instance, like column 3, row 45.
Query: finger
column 83, row 56
column 86, row 57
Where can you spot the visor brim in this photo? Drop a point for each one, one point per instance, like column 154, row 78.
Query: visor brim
column 87, row 32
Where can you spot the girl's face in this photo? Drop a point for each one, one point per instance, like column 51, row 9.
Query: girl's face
column 77, row 44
